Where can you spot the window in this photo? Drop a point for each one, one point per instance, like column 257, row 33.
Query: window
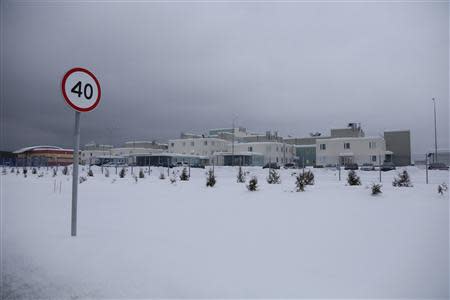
column 374, row 158
column 346, row 145
column 372, row 145
column 323, row 147
column 172, row 144
column 250, row 149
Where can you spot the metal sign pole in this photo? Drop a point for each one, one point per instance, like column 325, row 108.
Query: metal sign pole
column 76, row 147
column 379, row 166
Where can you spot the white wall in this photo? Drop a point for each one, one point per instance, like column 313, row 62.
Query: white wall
column 198, row 146
column 362, row 148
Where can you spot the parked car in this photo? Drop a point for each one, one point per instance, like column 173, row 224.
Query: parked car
column 367, row 167
column 387, row 166
column 351, row 166
column 271, row 165
column 119, row 165
column 289, row 166
column 182, row 164
column 437, row 166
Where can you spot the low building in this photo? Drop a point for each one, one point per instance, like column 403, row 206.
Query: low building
column 170, row 160
column 360, row 150
column 44, row 156
column 443, row 156
column 240, row 159
column 198, row 146
column 275, row 152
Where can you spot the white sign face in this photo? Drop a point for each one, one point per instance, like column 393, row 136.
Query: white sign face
column 81, row 89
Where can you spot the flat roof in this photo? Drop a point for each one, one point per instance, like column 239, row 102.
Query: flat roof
column 352, row 138
column 40, row 148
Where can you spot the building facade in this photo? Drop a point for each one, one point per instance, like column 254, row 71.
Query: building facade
column 44, row 156
column 275, row 152
column 198, row 146
column 359, row 150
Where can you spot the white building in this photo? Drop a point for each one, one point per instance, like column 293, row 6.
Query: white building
column 95, row 154
column 346, row 150
column 198, row 146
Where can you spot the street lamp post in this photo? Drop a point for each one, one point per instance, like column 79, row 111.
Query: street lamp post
column 232, row 143
column 435, row 132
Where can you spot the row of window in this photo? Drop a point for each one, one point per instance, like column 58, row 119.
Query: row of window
column 372, row 145
column 205, row 143
column 322, row 159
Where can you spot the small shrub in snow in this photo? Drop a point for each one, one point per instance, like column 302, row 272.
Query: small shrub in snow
column 82, row 179
column 402, row 180
column 65, row 170
column 442, row 188
column 25, row 171
column 253, row 184
column 55, row 172
column 4, row 171
column 90, row 173
column 184, row 175
column 308, row 177
column 141, row 173
column 135, row 178
column 211, row 179
column 240, row 176
column 173, row 179
column 162, row 176
column 274, row 177
column 352, row 178
column 12, row 170
column 17, row 171
column 376, row 189
column 107, row 172
column 300, row 183
column 122, row 173
column 34, row 171
column 41, row 174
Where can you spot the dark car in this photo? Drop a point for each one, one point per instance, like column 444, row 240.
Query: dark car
column 437, row 166
column 367, row 167
column 387, row 166
column 351, row 166
column 289, row 166
column 271, row 165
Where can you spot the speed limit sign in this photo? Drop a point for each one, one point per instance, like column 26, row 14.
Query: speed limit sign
column 81, row 89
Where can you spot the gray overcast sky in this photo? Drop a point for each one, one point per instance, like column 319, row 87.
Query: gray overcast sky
column 171, row 67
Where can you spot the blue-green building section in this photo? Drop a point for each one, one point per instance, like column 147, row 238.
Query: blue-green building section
column 306, row 154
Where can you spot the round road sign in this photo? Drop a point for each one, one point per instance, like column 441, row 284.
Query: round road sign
column 81, row 89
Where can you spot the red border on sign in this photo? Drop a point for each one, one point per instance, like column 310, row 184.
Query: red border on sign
column 63, row 83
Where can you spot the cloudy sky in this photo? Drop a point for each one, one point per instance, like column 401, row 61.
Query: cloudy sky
column 171, row 67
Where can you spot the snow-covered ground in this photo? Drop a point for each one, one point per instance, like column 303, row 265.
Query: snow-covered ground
column 184, row 240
